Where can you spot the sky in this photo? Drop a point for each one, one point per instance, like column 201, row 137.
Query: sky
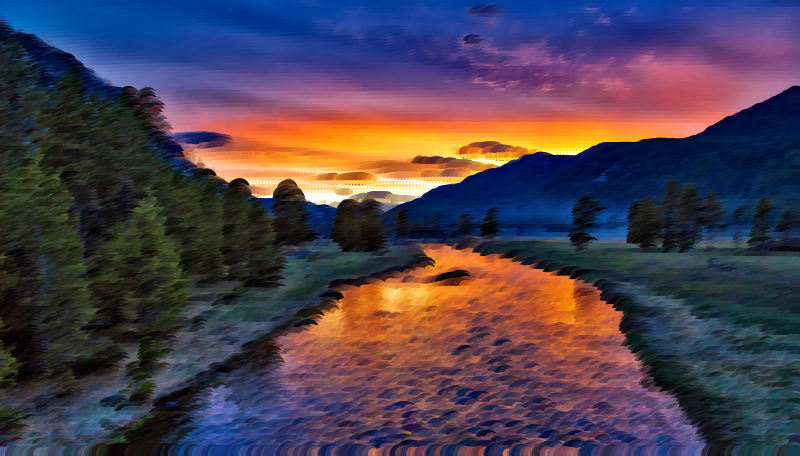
column 316, row 86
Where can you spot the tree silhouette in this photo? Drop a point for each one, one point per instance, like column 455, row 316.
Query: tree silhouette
column 584, row 216
column 689, row 218
column 789, row 223
column 371, row 231
column 490, row 225
column 263, row 261
column 345, row 231
column 465, row 224
column 633, row 213
column 670, row 203
column 292, row 225
column 644, row 228
column 761, row 229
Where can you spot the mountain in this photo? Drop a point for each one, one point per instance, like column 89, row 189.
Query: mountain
column 741, row 157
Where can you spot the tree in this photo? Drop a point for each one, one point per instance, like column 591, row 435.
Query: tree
column 689, row 218
column 490, row 225
column 465, row 224
column 761, row 229
column 403, row 223
column 263, row 261
column 371, row 231
column 633, row 213
column 789, row 223
column 645, row 225
column 292, row 224
column 670, row 202
column 713, row 213
column 137, row 272
column 738, row 217
column 345, row 225
column 584, row 216
column 45, row 297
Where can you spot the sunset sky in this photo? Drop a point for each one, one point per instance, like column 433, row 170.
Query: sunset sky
column 335, row 85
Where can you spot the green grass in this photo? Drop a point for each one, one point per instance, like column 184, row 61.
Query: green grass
column 726, row 344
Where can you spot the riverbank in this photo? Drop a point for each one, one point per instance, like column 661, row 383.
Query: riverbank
column 503, row 355
column 725, row 343
column 225, row 317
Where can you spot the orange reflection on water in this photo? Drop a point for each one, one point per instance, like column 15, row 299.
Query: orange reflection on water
column 510, row 353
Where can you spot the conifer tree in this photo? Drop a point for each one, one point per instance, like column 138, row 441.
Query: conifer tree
column 47, row 303
column 789, row 223
column 465, row 224
column 64, row 140
column 345, row 225
column 403, row 223
column 689, row 217
column 490, row 225
column 372, row 234
column 761, row 229
column 584, row 216
column 17, row 106
column 645, row 225
column 264, row 262
column 670, row 202
column 138, row 273
column 633, row 213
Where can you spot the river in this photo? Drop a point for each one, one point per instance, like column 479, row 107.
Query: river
column 509, row 355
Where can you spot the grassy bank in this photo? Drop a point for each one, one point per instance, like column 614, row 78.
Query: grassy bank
column 225, row 318
column 725, row 343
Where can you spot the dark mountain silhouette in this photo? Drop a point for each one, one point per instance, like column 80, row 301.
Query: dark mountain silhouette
column 741, row 157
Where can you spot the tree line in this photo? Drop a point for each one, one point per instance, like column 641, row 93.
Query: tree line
column 682, row 218
column 99, row 236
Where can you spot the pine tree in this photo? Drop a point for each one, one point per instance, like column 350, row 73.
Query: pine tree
column 465, row 224
column 689, row 218
column 234, row 208
column 490, row 225
column 264, row 262
column 17, row 105
column 138, row 273
column 713, row 213
column 761, row 229
column 345, row 225
column 403, row 223
column 789, row 223
column 670, row 203
column 371, row 231
column 65, row 142
column 47, row 301
column 633, row 213
column 645, row 225
column 584, row 216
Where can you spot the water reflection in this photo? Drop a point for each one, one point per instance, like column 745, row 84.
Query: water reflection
column 509, row 354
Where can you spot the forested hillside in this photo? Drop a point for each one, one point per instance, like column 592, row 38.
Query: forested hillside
column 99, row 233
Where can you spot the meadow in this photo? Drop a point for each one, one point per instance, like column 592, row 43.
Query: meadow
column 725, row 343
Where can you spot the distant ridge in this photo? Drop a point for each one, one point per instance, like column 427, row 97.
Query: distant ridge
column 743, row 156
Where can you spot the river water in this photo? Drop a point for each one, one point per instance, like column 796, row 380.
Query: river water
column 510, row 355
